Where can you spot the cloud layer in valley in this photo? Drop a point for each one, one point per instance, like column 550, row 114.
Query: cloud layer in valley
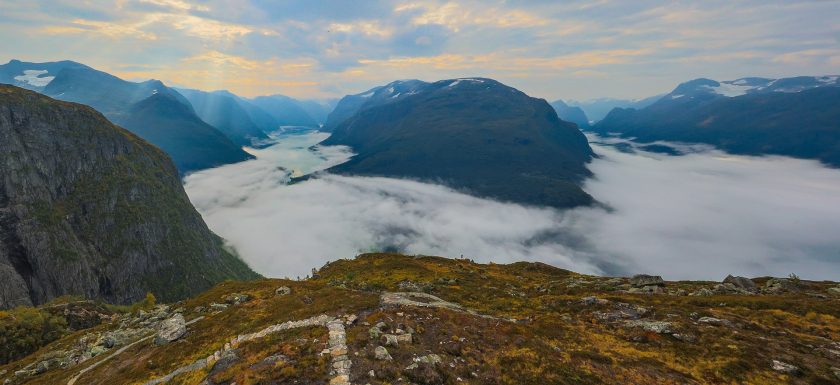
column 702, row 215
column 328, row 48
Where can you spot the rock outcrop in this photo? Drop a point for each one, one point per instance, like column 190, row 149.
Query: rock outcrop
column 89, row 209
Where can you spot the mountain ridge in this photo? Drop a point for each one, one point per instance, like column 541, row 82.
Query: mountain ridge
column 752, row 116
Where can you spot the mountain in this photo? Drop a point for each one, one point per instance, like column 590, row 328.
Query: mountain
column 570, row 114
column 597, row 109
column 350, row 104
column 225, row 111
column 395, row 319
column 88, row 208
column 797, row 117
column 175, row 128
column 34, row 76
column 474, row 134
column 192, row 147
column 317, row 110
column 285, row 110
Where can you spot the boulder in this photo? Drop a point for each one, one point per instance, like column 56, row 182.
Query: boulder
column 716, row 321
column 783, row 367
column 171, row 329
column 236, row 298
column 642, row 280
column 381, row 353
column 780, row 285
column 283, row 290
column 741, row 282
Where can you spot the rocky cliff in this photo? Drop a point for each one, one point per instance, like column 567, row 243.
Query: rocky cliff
column 88, row 208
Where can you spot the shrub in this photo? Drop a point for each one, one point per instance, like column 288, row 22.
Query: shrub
column 25, row 330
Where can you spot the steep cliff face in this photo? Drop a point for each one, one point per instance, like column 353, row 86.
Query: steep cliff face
column 88, row 208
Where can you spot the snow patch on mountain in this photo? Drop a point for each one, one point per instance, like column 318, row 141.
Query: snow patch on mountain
column 459, row 80
column 730, row 89
column 34, row 78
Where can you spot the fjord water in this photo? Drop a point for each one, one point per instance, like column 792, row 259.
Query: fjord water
column 698, row 216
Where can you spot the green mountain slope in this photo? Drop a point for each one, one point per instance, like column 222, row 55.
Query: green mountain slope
column 473, row 134
column 89, row 209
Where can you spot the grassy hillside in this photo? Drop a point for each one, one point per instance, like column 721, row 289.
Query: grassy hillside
column 523, row 323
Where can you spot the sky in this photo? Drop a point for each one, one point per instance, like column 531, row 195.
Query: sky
column 325, row 49
column 702, row 215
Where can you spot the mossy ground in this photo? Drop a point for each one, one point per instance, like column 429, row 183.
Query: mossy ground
column 539, row 333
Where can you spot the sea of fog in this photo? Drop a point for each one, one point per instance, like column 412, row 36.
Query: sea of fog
column 702, row 215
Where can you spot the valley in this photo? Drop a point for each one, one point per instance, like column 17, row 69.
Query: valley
column 708, row 215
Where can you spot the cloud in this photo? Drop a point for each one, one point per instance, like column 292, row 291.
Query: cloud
column 708, row 214
column 700, row 216
column 641, row 48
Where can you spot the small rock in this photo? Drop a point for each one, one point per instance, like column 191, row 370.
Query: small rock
column 218, row 306
column 171, row 329
column 390, row 340
column 375, row 331
column 642, row 280
column 783, row 367
column 715, row 321
column 283, row 290
column 836, row 372
column 429, row 359
column 651, row 289
column 236, row 298
column 834, row 290
column 703, row 292
column 371, row 373
column 593, row 301
column 381, row 353
column 684, row 337
column 659, row 327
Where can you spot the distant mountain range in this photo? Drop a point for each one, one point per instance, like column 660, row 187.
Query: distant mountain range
column 151, row 110
column 597, row 109
column 88, row 208
column 225, row 111
column 197, row 129
column 473, row 133
column 797, row 117
column 570, row 114
column 287, row 111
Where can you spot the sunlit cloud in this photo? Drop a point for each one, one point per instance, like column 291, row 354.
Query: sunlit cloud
column 547, row 49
